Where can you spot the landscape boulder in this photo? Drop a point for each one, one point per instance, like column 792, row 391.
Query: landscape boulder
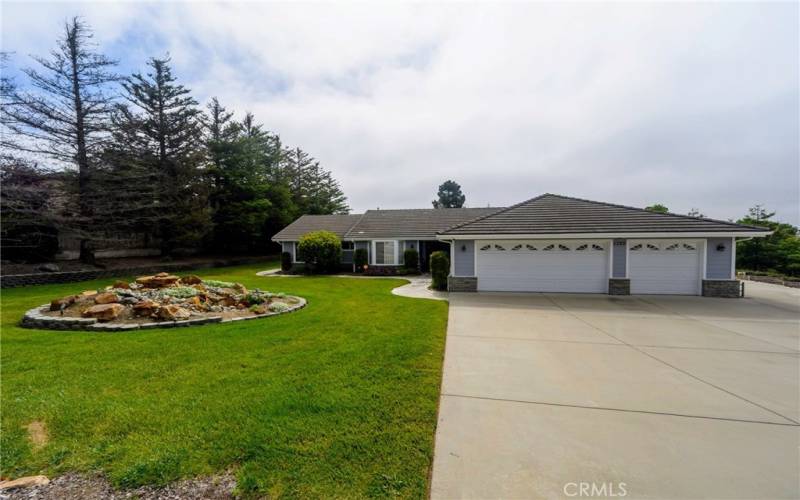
column 191, row 280
column 62, row 303
column 146, row 307
column 106, row 298
column 159, row 280
column 173, row 312
column 104, row 312
column 123, row 285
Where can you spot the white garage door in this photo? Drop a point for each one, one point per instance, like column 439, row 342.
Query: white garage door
column 542, row 266
column 665, row 267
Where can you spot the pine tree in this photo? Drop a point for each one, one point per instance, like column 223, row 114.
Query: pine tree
column 66, row 118
column 449, row 196
column 159, row 133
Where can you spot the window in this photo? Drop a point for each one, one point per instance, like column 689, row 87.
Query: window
column 563, row 248
column 531, row 248
column 486, row 247
column 652, row 247
column 347, row 245
column 636, row 248
column 498, row 247
column 548, row 248
column 386, row 253
column 672, row 247
column 597, row 247
column 516, row 247
column 581, row 248
column 689, row 247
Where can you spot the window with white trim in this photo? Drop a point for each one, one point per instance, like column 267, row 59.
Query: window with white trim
column 386, row 253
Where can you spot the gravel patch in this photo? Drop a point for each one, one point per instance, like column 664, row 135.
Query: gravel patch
column 87, row 487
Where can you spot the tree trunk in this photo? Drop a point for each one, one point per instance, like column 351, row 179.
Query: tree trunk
column 82, row 159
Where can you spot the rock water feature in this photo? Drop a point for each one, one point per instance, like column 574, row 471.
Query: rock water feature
column 161, row 300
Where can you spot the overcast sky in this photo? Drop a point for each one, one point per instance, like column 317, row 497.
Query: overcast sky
column 690, row 105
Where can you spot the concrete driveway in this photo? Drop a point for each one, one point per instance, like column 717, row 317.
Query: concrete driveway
column 555, row 395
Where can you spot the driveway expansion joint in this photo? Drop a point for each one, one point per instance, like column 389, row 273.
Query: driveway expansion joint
column 623, row 410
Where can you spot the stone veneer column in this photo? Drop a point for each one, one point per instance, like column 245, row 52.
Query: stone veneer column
column 462, row 284
column 721, row 288
column 619, row 286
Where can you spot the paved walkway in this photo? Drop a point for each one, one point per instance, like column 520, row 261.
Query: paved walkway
column 669, row 397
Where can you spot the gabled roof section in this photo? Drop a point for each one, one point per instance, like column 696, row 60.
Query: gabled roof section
column 420, row 223
column 338, row 224
column 555, row 214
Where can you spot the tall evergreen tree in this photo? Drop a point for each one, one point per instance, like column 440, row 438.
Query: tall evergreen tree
column 313, row 189
column 66, row 117
column 158, row 132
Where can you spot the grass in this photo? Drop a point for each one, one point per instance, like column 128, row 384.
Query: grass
column 336, row 400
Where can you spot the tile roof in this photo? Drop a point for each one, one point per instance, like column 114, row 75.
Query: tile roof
column 338, row 224
column 420, row 223
column 555, row 214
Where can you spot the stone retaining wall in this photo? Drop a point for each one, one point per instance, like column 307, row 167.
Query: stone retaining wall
column 462, row 284
column 35, row 318
column 17, row 280
column 722, row 288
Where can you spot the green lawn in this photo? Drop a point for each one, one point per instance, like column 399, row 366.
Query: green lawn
column 336, row 400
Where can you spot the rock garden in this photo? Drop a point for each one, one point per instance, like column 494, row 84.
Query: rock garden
column 161, row 300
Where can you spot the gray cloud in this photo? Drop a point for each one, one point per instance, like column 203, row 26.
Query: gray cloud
column 691, row 105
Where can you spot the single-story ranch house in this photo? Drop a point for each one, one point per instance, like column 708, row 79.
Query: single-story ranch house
column 550, row 243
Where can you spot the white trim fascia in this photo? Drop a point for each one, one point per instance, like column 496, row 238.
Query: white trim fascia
column 452, row 259
column 704, row 273
column 600, row 236
column 627, row 259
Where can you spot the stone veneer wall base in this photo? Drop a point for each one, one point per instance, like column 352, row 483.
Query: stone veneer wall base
column 619, row 286
column 722, row 288
column 462, row 284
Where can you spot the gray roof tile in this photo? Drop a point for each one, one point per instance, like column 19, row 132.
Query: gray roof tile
column 555, row 214
column 420, row 223
column 338, row 224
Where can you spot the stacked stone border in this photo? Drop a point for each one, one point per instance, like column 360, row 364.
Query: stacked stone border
column 36, row 318
column 17, row 280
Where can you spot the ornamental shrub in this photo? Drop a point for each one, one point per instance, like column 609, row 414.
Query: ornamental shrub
column 321, row 251
column 440, row 268
column 360, row 259
column 411, row 259
column 286, row 261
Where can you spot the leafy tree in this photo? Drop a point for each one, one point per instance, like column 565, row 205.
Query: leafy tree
column 66, row 117
column 158, row 134
column 779, row 252
column 695, row 212
column 657, row 208
column 449, row 196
